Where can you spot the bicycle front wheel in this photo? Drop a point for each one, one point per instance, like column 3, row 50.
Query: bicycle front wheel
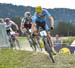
column 16, row 44
column 48, row 49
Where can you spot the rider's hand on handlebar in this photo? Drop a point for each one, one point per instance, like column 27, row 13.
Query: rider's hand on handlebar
column 51, row 28
column 17, row 33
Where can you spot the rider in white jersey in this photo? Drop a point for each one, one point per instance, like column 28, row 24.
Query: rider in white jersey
column 8, row 24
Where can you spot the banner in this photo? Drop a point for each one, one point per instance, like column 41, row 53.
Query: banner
column 65, row 48
column 3, row 37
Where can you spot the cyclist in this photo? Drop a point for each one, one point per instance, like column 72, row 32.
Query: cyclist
column 8, row 24
column 39, row 18
column 26, row 22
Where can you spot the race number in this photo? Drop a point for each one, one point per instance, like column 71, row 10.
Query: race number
column 43, row 33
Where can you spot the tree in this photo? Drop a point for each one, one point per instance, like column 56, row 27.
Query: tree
column 65, row 29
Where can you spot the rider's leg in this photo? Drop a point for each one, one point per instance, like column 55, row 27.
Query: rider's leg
column 25, row 28
column 38, row 40
column 50, row 39
column 51, row 42
column 25, row 31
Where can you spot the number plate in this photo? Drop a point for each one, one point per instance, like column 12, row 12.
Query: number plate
column 30, row 30
column 43, row 33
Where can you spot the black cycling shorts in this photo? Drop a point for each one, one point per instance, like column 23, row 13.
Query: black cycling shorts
column 40, row 24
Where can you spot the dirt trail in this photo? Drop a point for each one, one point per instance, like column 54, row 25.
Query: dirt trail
column 26, row 46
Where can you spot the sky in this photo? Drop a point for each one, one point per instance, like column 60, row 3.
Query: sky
column 44, row 3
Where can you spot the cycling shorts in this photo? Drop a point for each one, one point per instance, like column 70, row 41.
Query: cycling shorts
column 43, row 25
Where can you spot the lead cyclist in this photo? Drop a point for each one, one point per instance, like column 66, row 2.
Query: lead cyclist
column 39, row 18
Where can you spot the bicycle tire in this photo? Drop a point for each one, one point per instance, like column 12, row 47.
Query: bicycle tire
column 48, row 49
column 16, row 43
column 11, row 43
column 34, row 43
column 37, row 44
column 31, row 42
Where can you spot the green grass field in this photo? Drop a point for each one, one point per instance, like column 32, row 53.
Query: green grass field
column 25, row 59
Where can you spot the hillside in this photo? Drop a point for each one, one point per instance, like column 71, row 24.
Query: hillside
column 59, row 14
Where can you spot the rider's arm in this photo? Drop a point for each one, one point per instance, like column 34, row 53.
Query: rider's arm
column 50, row 18
column 15, row 25
column 33, row 27
column 22, row 24
column 23, row 29
column 51, row 21
column 33, row 22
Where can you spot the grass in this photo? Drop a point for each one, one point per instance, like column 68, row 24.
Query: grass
column 25, row 59
column 69, row 40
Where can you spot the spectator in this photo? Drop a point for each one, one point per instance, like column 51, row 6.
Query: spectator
column 57, row 41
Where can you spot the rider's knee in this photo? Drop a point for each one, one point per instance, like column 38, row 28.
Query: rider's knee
column 48, row 33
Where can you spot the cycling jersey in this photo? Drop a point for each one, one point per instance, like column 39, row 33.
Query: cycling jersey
column 7, row 27
column 25, row 20
column 41, row 21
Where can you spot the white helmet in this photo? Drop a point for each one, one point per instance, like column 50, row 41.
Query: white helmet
column 7, row 19
column 1, row 20
column 26, row 14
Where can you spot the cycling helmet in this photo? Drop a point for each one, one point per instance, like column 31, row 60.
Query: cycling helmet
column 38, row 9
column 7, row 19
column 26, row 14
column 1, row 20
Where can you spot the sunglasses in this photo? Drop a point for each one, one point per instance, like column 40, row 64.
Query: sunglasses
column 28, row 14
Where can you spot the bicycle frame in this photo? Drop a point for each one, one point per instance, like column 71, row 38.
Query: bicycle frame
column 12, row 40
column 43, row 34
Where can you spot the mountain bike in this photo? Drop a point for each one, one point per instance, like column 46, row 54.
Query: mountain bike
column 14, row 43
column 47, row 47
column 31, row 39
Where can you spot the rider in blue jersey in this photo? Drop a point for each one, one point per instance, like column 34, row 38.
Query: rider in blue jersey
column 40, row 19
